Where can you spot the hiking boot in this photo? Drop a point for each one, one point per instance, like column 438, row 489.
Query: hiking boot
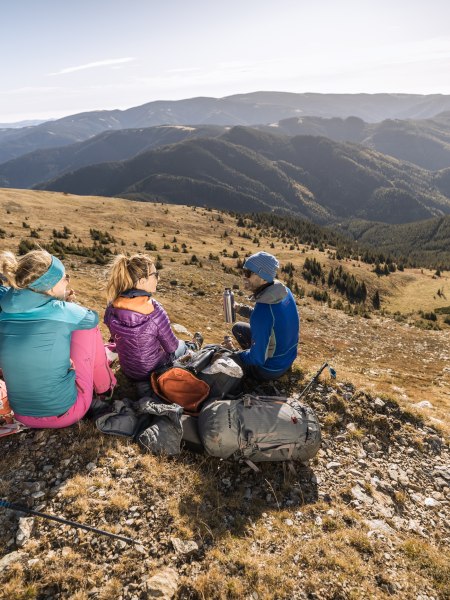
column 228, row 342
column 110, row 355
column 198, row 339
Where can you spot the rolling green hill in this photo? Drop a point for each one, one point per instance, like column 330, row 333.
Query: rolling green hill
column 249, row 170
column 425, row 243
column 41, row 165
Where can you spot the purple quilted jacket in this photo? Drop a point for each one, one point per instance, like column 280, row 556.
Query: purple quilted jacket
column 143, row 342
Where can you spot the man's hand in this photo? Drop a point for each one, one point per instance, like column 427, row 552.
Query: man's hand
column 243, row 310
column 228, row 343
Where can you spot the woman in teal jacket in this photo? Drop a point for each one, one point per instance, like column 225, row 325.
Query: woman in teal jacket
column 51, row 350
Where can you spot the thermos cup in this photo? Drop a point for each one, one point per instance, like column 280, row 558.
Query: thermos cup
column 228, row 306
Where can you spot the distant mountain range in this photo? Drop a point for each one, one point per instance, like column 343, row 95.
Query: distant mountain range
column 323, row 157
column 20, row 124
column 425, row 143
column 249, row 170
column 258, row 108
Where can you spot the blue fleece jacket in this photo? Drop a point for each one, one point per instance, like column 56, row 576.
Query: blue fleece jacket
column 35, row 335
column 274, row 325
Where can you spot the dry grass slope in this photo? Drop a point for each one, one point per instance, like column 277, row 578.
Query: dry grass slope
column 353, row 525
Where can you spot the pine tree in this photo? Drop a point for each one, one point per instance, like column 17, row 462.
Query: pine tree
column 376, row 302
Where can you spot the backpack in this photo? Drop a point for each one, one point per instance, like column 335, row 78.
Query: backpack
column 208, row 373
column 220, row 372
column 259, row 428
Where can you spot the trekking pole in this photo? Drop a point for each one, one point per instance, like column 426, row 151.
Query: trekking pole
column 316, row 377
column 24, row 509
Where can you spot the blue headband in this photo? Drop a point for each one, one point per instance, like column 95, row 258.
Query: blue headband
column 50, row 278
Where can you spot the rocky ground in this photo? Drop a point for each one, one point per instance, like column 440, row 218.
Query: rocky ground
column 380, row 353
column 369, row 518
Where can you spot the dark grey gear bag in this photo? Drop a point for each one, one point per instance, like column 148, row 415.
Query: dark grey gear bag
column 259, row 428
column 214, row 365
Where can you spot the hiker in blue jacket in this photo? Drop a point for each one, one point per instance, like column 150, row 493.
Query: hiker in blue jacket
column 270, row 340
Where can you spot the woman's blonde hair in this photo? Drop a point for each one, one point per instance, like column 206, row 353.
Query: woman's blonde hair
column 20, row 271
column 125, row 272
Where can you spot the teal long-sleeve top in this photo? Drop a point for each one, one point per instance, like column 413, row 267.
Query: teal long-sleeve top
column 35, row 335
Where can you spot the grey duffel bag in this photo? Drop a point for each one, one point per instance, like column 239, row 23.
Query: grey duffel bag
column 259, row 428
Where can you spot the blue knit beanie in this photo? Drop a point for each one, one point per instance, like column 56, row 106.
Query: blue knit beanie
column 263, row 264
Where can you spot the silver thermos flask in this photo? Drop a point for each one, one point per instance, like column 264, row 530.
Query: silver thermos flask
column 228, row 306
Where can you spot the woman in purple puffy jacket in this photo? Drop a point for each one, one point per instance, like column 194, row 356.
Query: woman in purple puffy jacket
column 139, row 325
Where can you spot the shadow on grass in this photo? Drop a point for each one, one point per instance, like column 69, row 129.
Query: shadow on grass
column 229, row 495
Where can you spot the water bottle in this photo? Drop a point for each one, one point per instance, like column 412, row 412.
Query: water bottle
column 228, row 306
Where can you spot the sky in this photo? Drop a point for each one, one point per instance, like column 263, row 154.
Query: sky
column 61, row 57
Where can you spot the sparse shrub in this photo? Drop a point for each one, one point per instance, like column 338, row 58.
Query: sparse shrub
column 62, row 235
column 319, row 295
column 25, row 246
column 429, row 316
column 150, row 246
column 312, row 270
column 288, row 268
column 347, row 284
column 400, row 498
column 299, row 290
column 103, row 237
column 331, row 420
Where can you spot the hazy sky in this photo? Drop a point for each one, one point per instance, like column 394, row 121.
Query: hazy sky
column 60, row 57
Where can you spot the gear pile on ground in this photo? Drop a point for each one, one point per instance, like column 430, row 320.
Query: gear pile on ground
column 369, row 517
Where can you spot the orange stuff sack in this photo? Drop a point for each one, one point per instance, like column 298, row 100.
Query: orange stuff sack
column 181, row 387
column 5, row 409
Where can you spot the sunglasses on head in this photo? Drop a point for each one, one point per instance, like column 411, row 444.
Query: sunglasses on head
column 247, row 273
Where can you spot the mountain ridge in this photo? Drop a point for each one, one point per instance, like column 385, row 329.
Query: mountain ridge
column 248, row 170
column 241, row 109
